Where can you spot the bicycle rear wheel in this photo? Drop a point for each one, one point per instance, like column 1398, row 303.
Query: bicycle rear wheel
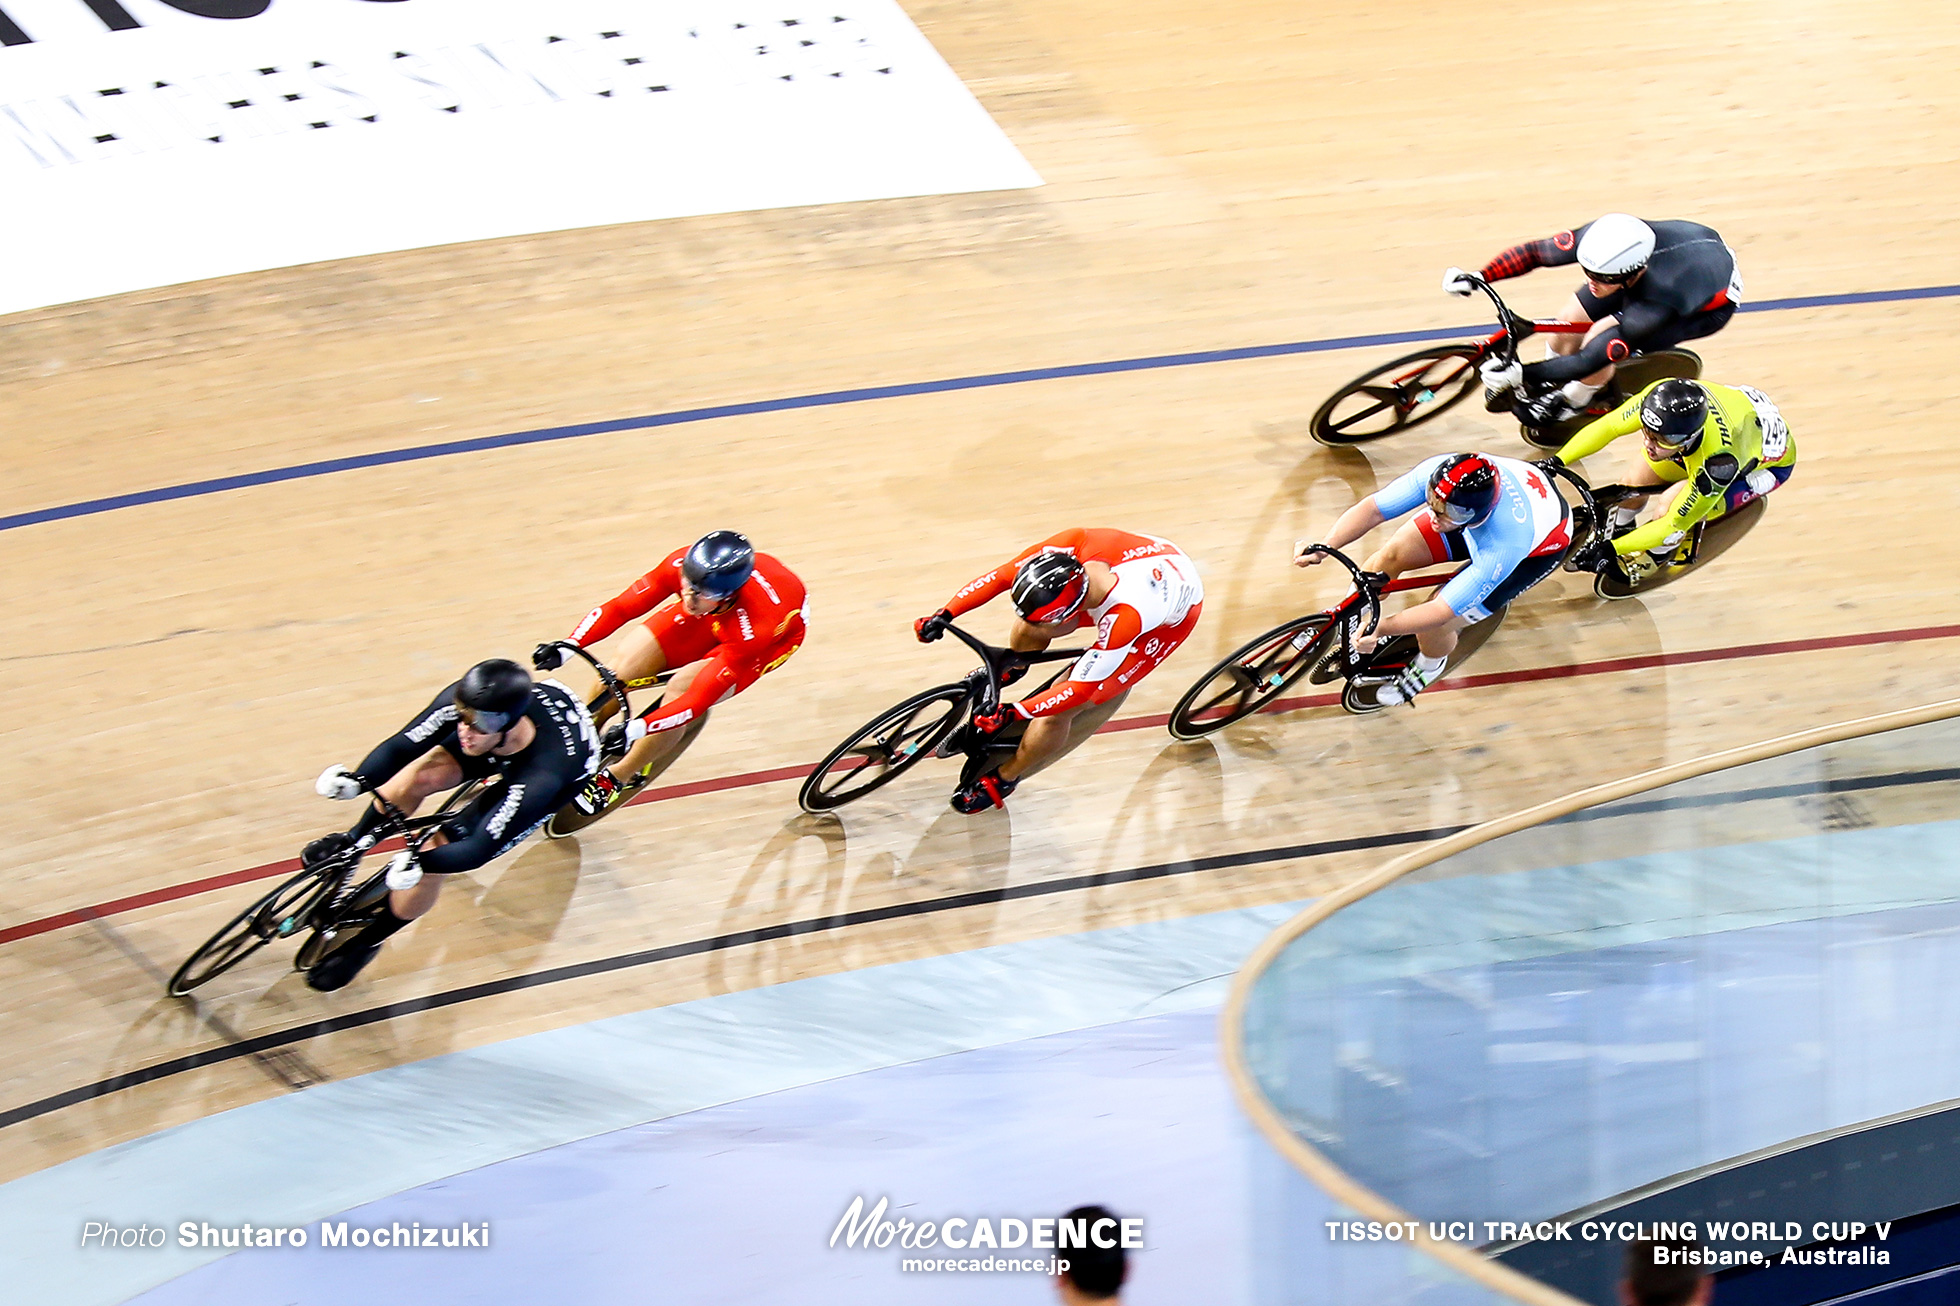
column 1716, row 538
column 1633, row 376
column 1405, row 392
column 1252, row 677
column 366, row 904
column 884, row 748
column 275, row 916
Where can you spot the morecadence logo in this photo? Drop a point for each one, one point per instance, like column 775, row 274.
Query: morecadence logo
column 980, row 1239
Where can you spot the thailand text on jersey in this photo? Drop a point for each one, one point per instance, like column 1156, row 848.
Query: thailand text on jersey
column 1744, row 431
column 1530, row 519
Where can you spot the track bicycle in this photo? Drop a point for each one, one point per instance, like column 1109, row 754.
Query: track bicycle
column 1705, row 542
column 1321, row 646
column 330, row 900
column 933, row 723
column 571, row 818
column 1418, row 387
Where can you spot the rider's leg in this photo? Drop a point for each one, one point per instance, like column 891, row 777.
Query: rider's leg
column 669, row 638
column 1051, row 738
column 1647, row 474
column 1559, row 344
column 1644, row 474
column 659, row 751
column 1579, row 393
column 1438, row 642
column 1025, row 637
column 1414, row 545
column 434, row 771
column 1756, row 485
column 1584, row 307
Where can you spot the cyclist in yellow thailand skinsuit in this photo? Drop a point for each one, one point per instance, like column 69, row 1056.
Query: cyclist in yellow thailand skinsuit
column 1719, row 445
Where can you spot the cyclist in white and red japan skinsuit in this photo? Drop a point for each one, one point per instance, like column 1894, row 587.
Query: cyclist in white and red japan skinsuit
column 1141, row 593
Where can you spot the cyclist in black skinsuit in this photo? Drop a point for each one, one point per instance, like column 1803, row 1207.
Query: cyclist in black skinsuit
column 537, row 737
column 1648, row 286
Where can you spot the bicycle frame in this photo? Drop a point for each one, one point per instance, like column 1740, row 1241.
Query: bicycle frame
column 997, row 662
column 1370, row 588
column 1513, row 330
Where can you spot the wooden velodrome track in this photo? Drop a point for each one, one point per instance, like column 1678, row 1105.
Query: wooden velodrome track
column 1218, row 177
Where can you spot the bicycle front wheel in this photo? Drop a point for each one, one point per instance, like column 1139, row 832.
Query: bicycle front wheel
column 884, row 748
column 1252, row 677
column 1405, row 392
column 282, row 912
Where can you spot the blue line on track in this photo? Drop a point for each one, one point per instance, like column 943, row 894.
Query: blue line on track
column 218, row 485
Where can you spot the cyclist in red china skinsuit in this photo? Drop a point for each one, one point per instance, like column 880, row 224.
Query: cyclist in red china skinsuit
column 739, row 616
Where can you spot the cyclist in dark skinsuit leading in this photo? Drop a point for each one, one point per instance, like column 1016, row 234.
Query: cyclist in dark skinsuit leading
column 1649, row 286
column 496, row 721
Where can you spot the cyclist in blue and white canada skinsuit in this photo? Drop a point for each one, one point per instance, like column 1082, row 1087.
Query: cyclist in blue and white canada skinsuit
column 1503, row 516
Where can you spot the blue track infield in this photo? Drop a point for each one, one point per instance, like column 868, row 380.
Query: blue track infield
column 832, row 398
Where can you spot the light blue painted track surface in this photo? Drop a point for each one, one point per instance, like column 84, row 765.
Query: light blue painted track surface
column 704, row 1152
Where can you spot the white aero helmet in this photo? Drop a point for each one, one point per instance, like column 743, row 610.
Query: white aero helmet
column 1616, row 246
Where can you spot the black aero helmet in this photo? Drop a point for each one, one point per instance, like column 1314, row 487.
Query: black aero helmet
column 719, row 563
column 1463, row 490
column 493, row 694
column 1049, row 587
column 1674, row 413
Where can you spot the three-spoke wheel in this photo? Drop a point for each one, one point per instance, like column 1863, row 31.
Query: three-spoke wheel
column 1398, row 395
column 1253, row 676
column 884, row 748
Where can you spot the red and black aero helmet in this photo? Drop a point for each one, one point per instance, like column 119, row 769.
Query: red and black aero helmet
column 1463, row 490
column 1049, row 587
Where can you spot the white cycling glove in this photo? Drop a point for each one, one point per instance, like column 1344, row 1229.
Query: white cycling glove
column 404, row 872
column 338, row 783
column 1457, row 282
column 1500, row 376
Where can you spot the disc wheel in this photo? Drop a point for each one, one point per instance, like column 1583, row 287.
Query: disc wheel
column 1633, row 376
column 1716, row 539
column 1252, row 677
column 364, row 906
column 884, row 748
column 1397, row 395
column 571, row 818
column 282, row 912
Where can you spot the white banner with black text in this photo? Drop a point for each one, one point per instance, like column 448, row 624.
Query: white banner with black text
column 151, row 142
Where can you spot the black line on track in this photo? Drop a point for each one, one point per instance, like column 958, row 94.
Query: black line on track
column 261, row 1043
column 290, row 1070
column 695, row 947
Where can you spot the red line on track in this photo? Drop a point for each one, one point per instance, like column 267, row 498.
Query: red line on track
column 1608, row 666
